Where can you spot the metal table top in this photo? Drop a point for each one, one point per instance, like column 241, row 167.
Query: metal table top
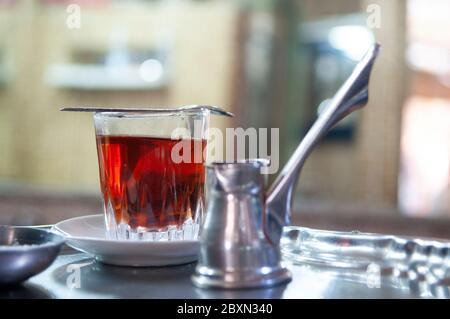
column 76, row 275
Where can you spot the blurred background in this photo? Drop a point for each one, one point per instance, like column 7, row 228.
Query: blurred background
column 274, row 63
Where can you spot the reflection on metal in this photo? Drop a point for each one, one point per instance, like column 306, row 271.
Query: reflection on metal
column 414, row 259
column 235, row 251
column 103, row 281
column 25, row 252
column 243, row 226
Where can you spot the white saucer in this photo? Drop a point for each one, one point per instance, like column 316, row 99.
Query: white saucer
column 87, row 234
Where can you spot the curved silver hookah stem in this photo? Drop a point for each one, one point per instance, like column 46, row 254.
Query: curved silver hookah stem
column 352, row 95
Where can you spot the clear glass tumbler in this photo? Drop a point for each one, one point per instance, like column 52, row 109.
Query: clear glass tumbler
column 152, row 173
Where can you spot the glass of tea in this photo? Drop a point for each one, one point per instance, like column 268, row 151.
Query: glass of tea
column 152, row 173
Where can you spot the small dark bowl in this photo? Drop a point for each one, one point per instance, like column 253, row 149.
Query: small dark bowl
column 25, row 252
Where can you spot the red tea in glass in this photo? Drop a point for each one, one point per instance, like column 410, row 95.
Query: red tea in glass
column 144, row 185
column 149, row 193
